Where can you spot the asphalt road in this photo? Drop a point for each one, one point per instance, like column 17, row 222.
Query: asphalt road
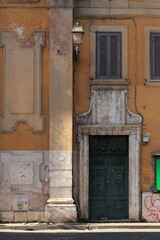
column 80, row 236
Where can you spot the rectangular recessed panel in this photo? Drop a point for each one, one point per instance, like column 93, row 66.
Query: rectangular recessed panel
column 98, row 183
column 97, row 209
column 21, row 173
column 21, row 80
column 118, row 205
column 118, row 209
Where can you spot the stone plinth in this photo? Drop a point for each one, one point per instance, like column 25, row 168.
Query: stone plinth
column 61, row 213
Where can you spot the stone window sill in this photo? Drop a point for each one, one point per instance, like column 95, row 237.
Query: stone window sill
column 108, row 82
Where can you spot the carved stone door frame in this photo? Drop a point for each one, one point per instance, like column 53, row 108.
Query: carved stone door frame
column 109, row 114
column 134, row 133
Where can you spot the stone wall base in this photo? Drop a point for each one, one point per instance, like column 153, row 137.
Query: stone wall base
column 61, row 213
column 22, row 216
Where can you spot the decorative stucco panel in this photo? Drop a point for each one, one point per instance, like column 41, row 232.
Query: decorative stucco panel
column 109, row 107
column 22, row 81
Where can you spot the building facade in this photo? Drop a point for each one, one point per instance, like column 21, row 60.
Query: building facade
column 79, row 135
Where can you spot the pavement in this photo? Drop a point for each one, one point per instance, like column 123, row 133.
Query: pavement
column 80, row 226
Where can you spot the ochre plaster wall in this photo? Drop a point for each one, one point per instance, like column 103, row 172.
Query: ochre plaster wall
column 30, row 19
column 146, row 101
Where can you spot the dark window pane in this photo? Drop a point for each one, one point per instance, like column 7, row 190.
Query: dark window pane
column 103, row 56
column 157, row 56
column 114, row 54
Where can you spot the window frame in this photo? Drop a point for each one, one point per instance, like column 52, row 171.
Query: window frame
column 149, row 80
column 124, row 55
column 152, row 56
column 109, row 35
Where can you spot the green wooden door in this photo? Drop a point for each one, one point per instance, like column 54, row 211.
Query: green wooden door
column 108, row 177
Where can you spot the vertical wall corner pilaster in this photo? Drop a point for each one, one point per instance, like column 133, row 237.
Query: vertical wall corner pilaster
column 61, row 207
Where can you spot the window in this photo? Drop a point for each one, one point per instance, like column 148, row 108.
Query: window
column 108, row 64
column 152, row 55
column 108, row 55
column 155, row 55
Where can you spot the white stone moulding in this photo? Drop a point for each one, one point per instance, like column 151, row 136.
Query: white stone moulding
column 22, row 81
column 108, row 106
column 109, row 114
column 149, row 8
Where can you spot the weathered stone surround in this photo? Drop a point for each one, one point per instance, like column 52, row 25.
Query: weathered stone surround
column 109, row 115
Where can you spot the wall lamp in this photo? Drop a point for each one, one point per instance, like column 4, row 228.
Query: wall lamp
column 77, row 33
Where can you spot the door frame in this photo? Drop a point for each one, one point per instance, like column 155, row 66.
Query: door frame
column 134, row 133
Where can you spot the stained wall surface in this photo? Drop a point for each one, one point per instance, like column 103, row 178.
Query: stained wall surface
column 143, row 96
column 26, row 62
column 24, row 110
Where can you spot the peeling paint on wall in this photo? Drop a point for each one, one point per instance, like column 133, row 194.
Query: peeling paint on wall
column 19, row 30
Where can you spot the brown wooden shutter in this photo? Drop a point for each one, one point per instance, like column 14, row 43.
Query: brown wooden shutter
column 155, row 55
column 101, row 55
column 115, row 58
column 109, row 55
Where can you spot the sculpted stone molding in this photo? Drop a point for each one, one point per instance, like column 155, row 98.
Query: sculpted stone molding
column 83, row 117
column 108, row 107
column 22, row 81
column 109, row 114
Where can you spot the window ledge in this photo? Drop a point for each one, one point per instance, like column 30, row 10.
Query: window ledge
column 108, row 82
column 152, row 82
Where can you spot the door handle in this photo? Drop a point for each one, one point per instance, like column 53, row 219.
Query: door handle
column 118, row 183
column 107, row 180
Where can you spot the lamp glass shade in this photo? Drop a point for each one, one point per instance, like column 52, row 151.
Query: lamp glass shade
column 78, row 33
column 77, row 38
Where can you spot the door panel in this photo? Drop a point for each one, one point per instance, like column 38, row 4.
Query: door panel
column 108, row 178
column 98, row 187
column 98, row 183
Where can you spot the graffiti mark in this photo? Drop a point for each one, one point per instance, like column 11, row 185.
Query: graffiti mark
column 152, row 205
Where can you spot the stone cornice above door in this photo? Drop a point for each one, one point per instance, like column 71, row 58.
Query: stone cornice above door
column 108, row 107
